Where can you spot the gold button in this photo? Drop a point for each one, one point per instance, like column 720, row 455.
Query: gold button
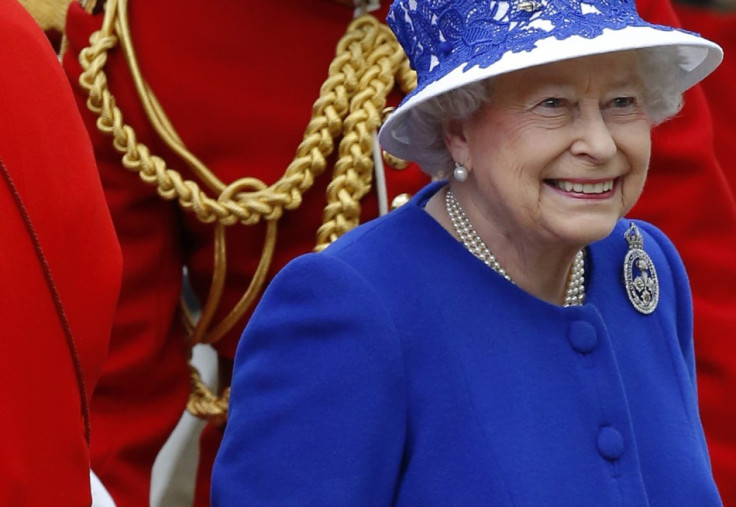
column 400, row 200
column 394, row 162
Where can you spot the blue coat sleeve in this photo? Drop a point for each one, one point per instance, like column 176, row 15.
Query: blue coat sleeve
column 318, row 404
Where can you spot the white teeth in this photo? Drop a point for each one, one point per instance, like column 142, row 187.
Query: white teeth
column 584, row 188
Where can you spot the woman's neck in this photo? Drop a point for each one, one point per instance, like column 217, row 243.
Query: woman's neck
column 541, row 269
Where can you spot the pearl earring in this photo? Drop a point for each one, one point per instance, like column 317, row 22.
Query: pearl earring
column 460, row 173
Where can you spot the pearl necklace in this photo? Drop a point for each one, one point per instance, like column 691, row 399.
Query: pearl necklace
column 575, row 293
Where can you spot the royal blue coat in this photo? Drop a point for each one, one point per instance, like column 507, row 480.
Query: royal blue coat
column 395, row 368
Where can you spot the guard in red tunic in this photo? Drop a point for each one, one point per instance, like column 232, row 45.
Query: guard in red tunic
column 716, row 20
column 60, row 268
column 260, row 116
column 282, row 130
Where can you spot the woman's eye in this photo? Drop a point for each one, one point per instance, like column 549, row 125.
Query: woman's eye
column 623, row 102
column 553, row 102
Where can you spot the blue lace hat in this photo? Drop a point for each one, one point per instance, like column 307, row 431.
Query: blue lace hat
column 452, row 43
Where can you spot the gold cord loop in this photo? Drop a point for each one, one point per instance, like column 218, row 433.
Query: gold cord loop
column 204, row 403
column 368, row 60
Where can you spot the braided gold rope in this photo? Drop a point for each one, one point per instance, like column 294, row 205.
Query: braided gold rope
column 353, row 171
column 246, row 207
column 355, row 83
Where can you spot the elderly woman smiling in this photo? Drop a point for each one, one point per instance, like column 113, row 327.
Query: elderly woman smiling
column 572, row 138
column 505, row 338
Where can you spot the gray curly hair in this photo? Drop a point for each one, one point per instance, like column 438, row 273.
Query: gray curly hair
column 662, row 100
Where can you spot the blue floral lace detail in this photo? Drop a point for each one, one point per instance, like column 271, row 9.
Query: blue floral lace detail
column 440, row 35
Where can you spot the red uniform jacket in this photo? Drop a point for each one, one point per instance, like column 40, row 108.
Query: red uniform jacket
column 60, row 267
column 238, row 81
column 716, row 334
column 719, row 27
column 240, row 98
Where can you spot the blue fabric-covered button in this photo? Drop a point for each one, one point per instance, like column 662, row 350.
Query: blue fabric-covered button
column 610, row 443
column 582, row 336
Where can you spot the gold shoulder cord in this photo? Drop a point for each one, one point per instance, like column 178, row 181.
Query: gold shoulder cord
column 351, row 101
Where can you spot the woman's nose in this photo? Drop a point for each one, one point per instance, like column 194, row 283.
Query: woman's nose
column 593, row 136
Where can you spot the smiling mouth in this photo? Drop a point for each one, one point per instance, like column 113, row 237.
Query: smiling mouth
column 587, row 188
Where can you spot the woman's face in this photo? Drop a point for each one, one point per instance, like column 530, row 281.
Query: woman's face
column 559, row 153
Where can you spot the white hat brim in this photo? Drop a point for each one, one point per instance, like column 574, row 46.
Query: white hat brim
column 699, row 57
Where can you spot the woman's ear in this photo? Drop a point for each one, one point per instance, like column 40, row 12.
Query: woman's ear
column 456, row 141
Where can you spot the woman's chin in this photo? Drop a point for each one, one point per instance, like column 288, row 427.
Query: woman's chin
column 581, row 221
column 582, row 231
